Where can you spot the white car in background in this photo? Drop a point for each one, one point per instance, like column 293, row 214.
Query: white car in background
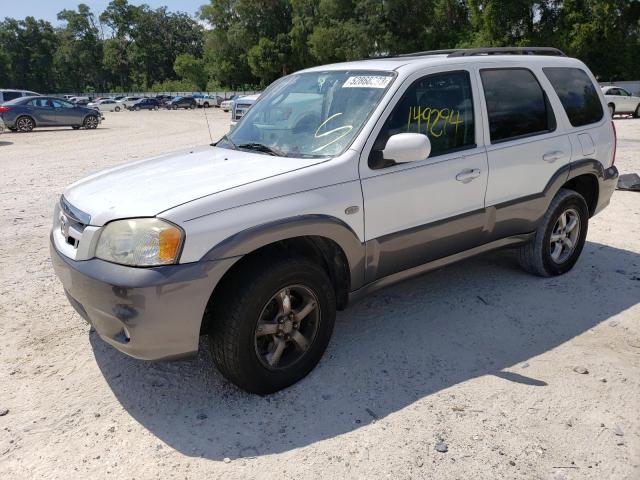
column 227, row 104
column 620, row 100
column 106, row 105
column 127, row 102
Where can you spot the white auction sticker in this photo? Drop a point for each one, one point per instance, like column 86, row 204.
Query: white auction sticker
column 367, row 81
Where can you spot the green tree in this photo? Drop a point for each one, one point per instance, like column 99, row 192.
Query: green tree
column 78, row 58
column 191, row 69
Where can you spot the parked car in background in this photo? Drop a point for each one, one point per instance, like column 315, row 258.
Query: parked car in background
column 227, row 104
column 207, row 101
column 127, row 102
column 26, row 113
column 80, row 100
column 620, row 100
column 182, row 102
column 117, row 98
column 241, row 106
column 164, row 99
column 7, row 94
column 105, row 105
column 145, row 104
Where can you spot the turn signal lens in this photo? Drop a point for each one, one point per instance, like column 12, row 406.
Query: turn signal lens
column 170, row 240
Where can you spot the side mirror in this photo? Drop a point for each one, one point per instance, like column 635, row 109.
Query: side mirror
column 407, row 147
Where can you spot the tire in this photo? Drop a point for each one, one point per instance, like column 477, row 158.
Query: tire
column 91, row 122
column 537, row 256
column 137, row 109
column 117, row 109
column 224, row 110
column 192, row 106
column 75, row 127
column 174, row 107
column 205, row 104
column 245, row 356
column 25, row 124
column 155, row 107
column 636, row 113
column 612, row 109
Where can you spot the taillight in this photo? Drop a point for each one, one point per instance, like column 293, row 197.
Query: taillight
column 615, row 142
column 4, row 109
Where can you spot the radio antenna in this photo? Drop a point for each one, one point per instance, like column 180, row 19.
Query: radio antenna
column 208, row 128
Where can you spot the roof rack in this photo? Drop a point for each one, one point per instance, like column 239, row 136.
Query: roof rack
column 470, row 52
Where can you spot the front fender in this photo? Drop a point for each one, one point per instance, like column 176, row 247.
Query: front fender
column 325, row 226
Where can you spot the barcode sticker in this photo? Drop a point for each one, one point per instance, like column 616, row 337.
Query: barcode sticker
column 367, row 81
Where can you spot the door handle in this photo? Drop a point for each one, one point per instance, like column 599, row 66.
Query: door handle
column 551, row 157
column 466, row 176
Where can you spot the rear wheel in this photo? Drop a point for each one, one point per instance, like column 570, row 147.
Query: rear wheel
column 636, row 113
column 205, row 104
column 558, row 241
column 25, row 124
column 192, row 106
column 174, row 107
column 117, row 109
column 612, row 109
column 91, row 122
column 137, row 109
column 272, row 322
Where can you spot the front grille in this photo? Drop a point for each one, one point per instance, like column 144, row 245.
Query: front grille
column 72, row 222
column 240, row 110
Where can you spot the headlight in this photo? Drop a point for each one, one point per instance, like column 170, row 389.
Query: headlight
column 142, row 242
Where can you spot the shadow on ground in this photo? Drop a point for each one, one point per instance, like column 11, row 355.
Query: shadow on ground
column 400, row 345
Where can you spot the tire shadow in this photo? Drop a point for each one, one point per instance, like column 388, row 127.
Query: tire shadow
column 392, row 349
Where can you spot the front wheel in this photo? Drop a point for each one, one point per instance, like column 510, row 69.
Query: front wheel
column 137, row 109
column 612, row 109
column 272, row 322
column 91, row 122
column 636, row 113
column 192, row 106
column 560, row 237
column 117, row 109
column 174, row 107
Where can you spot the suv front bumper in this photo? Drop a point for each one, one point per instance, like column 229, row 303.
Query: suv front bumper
column 148, row 313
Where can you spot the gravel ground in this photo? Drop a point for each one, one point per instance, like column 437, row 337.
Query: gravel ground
column 467, row 372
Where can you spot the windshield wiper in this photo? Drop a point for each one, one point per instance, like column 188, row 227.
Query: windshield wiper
column 259, row 147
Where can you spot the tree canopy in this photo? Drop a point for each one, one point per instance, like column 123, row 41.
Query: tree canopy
column 241, row 43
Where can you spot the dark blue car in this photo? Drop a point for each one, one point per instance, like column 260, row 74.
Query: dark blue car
column 26, row 113
column 146, row 104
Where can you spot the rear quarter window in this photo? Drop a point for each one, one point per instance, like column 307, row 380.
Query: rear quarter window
column 577, row 94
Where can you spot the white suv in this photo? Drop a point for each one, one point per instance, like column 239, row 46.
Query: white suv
column 340, row 179
column 620, row 100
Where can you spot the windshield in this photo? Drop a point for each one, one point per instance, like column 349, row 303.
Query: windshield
column 315, row 114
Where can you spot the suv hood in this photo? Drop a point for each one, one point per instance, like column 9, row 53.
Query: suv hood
column 149, row 187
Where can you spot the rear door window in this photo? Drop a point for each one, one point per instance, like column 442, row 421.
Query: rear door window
column 577, row 94
column 517, row 106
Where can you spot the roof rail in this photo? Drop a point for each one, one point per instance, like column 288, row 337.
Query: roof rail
column 468, row 52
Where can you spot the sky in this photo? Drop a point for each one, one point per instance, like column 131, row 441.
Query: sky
column 48, row 9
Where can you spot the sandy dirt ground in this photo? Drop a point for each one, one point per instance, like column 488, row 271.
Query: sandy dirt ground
column 476, row 359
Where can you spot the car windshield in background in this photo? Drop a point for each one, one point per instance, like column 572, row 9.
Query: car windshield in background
column 315, row 114
column 178, row 98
